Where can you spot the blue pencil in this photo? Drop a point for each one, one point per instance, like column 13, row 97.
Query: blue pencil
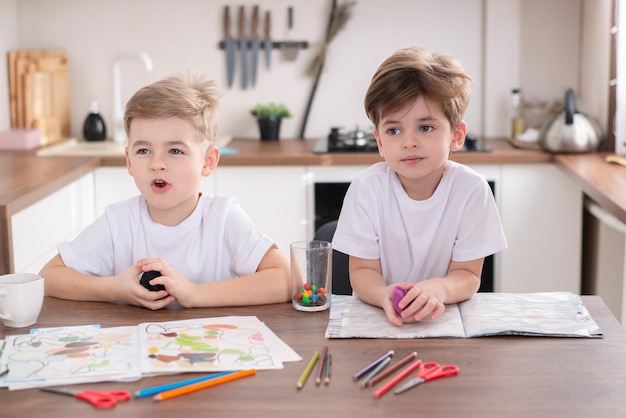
column 158, row 389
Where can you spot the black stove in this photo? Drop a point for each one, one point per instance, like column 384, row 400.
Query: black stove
column 361, row 141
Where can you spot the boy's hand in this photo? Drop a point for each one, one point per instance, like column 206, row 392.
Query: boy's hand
column 177, row 286
column 130, row 291
column 422, row 300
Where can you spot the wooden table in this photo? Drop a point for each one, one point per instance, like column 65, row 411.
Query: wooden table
column 499, row 376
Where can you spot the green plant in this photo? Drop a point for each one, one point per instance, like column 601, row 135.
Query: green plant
column 270, row 111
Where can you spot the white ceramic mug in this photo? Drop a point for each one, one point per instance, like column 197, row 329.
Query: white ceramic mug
column 21, row 298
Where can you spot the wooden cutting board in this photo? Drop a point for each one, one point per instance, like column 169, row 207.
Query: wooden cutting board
column 39, row 89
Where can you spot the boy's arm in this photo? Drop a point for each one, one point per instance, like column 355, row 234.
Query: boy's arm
column 63, row 282
column 369, row 285
column 424, row 298
column 269, row 284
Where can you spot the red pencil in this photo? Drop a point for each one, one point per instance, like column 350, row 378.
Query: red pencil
column 392, row 369
column 322, row 365
column 397, row 378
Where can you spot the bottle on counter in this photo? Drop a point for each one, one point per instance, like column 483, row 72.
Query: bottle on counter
column 94, row 128
column 517, row 121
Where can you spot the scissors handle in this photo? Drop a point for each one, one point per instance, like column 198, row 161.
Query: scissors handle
column 103, row 399
column 437, row 371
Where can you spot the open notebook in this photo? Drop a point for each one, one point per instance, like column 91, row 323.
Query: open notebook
column 549, row 314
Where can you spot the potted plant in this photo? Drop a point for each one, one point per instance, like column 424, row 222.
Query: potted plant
column 269, row 117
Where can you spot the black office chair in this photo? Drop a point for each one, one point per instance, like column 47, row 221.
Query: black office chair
column 341, row 275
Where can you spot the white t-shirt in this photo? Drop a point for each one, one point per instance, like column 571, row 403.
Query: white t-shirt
column 218, row 241
column 416, row 240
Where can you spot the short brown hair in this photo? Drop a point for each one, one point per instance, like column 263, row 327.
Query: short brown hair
column 413, row 72
column 193, row 98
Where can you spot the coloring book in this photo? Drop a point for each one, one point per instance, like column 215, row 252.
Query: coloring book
column 84, row 354
column 548, row 314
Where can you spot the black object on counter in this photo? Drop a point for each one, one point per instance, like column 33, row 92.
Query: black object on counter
column 94, row 128
column 149, row 275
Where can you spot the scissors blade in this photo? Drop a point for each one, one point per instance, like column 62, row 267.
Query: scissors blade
column 408, row 385
column 63, row 391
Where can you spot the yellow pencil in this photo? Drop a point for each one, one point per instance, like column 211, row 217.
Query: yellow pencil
column 202, row 385
column 307, row 371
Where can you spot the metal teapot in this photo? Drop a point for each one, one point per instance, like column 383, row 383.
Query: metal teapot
column 570, row 130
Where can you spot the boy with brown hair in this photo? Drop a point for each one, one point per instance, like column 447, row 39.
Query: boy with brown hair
column 418, row 220
column 206, row 249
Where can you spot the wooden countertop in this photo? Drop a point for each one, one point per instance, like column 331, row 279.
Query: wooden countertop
column 603, row 182
column 26, row 178
column 499, row 376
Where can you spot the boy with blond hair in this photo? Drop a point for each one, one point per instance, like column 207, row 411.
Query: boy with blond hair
column 206, row 249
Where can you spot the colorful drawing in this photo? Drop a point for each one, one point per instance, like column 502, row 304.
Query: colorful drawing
column 71, row 355
column 207, row 344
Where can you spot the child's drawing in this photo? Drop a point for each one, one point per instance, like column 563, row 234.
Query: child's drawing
column 207, row 344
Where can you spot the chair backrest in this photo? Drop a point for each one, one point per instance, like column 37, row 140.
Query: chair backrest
column 341, row 275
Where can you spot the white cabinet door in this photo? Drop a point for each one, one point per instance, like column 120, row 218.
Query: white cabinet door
column 542, row 217
column 114, row 184
column 273, row 197
column 39, row 228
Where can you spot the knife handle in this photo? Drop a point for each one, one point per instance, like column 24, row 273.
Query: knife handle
column 255, row 22
column 226, row 22
column 268, row 25
column 242, row 22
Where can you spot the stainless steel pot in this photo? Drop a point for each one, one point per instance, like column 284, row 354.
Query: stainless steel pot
column 570, row 130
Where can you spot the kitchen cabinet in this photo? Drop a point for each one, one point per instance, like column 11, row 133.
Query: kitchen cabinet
column 274, row 197
column 114, row 184
column 40, row 227
column 542, row 218
column 539, row 206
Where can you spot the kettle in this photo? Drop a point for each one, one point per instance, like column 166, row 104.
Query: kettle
column 570, row 130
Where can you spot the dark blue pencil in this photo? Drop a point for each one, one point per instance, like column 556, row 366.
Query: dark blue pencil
column 368, row 368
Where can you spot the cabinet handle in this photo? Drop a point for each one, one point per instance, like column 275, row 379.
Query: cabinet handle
column 605, row 217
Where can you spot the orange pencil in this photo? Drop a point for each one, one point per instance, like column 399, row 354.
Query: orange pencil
column 202, row 385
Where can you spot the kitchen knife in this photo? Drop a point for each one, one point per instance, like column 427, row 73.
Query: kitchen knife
column 243, row 48
column 229, row 46
column 268, row 40
column 256, row 44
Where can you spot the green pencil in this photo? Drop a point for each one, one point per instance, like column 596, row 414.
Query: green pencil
column 307, row 371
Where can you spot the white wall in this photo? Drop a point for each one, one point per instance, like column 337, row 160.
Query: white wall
column 497, row 41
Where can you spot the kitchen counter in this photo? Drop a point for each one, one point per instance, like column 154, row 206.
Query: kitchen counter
column 26, row 178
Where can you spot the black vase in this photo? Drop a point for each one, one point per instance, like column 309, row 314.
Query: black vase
column 270, row 129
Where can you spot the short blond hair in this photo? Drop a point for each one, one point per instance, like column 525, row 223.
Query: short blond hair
column 193, row 98
column 413, row 72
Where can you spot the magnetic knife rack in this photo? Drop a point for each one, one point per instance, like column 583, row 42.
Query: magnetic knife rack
column 275, row 44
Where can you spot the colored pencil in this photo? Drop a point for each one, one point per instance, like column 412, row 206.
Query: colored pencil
column 327, row 372
column 369, row 367
column 374, row 372
column 169, row 386
column 397, row 378
column 202, row 385
column 392, row 369
column 307, row 370
column 322, row 366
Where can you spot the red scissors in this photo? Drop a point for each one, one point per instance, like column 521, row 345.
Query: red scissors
column 99, row 399
column 427, row 372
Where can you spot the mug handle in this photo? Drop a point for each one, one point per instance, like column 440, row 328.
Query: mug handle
column 3, row 292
